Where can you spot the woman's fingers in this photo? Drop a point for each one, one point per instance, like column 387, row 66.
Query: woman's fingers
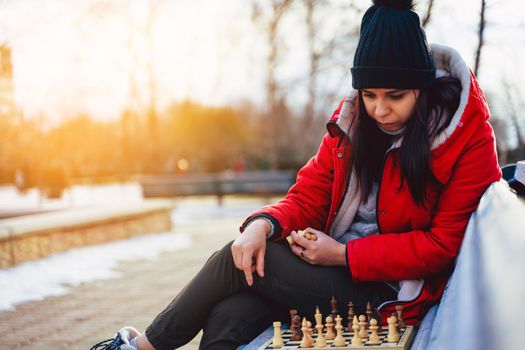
column 237, row 257
column 259, row 263
column 298, row 240
column 247, row 266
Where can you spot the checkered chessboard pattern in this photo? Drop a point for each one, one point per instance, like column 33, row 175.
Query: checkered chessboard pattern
column 405, row 340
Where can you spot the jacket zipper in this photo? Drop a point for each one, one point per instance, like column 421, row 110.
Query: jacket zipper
column 379, row 189
column 334, row 213
column 386, row 303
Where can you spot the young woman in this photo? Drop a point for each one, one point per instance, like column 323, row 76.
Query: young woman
column 388, row 194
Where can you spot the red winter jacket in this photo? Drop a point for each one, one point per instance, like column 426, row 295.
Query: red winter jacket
column 414, row 243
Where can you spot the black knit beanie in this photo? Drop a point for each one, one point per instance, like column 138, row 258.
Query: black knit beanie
column 392, row 51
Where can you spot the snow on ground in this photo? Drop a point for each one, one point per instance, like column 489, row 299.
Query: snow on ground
column 74, row 197
column 57, row 273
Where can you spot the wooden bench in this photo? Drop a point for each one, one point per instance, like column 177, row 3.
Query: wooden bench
column 252, row 182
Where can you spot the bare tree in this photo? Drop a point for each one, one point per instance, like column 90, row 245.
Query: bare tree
column 480, row 36
column 428, row 13
column 323, row 54
column 102, row 12
column 268, row 14
column 514, row 104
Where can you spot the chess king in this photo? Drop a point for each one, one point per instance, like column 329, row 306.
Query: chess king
column 388, row 195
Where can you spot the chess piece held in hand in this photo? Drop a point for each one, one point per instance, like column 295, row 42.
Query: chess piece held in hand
column 303, row 233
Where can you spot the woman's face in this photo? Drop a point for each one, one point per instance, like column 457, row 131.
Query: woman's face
column 390, row 108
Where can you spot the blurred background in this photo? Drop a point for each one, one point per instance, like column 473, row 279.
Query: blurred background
column 95, row 91
column 104, row 104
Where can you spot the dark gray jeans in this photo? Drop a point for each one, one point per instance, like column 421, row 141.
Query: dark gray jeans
column 219, row 301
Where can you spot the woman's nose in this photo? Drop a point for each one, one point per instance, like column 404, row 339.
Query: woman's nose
column 382, row 109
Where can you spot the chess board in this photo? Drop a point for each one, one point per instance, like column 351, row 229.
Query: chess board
column 407, row 335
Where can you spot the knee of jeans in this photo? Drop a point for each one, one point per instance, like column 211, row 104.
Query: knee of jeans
column 224, row 252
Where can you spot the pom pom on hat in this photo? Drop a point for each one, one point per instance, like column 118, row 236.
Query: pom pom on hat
column 397, row 4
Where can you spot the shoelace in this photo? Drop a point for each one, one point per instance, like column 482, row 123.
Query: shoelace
column 108, row 344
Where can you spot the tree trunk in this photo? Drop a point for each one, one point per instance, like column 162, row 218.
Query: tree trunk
column 480, row 35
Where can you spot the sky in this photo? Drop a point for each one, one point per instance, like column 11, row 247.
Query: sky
column 77, row 56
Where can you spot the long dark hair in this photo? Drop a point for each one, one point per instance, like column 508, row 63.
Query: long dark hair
column 434, row 109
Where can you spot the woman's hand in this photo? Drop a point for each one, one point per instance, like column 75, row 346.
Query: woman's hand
column 250, row 246
column 323, row 251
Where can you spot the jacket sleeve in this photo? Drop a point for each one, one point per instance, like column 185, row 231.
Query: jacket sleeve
column 308, row 201
column 425, row 253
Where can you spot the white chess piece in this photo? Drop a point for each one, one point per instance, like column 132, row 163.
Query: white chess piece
column 320, row 341
column 277, row 341
column 305, row 342
column 374, row 337
column 393, row 335
column 356, row 340
column 339, row 339
column 330, row 335
column 363, row 334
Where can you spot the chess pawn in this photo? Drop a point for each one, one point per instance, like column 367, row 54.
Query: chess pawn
column 350, row 318
column 277, row 341
column 374, row 337
column 320, row 342
column 399, row 314
column 305, row 342
column 363, row 334
column 356, row 340
column 377, row 315
column 393, row 335
column 394, row 314
column 339, row 339
column 330, row 335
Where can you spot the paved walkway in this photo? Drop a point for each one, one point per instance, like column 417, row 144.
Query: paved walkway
column 95, row 311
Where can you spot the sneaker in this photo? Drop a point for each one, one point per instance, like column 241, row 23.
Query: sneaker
column 120, row 342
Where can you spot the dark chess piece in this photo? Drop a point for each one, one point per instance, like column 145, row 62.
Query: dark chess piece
column 350, row 318
column 333, row 303
column 295, row 325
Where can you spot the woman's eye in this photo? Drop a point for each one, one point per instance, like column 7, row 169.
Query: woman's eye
column 396, row 97
column 368, row 95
